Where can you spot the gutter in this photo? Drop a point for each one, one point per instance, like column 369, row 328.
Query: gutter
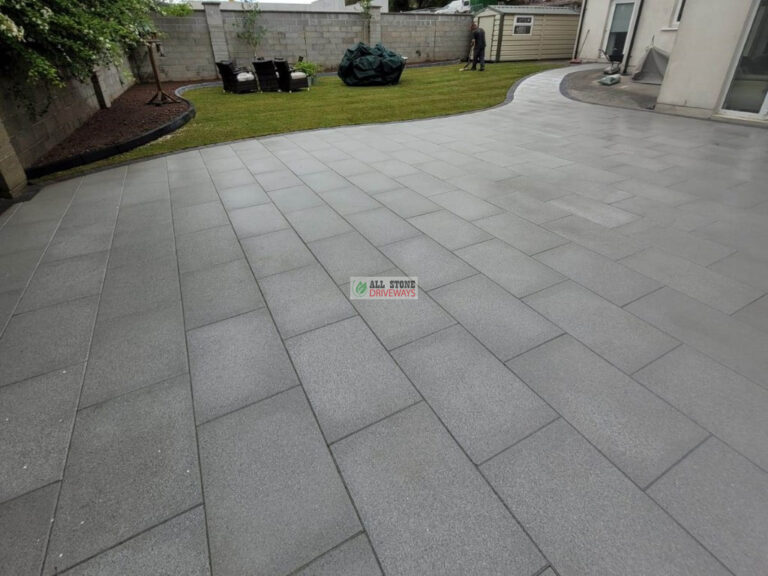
column 634, row 32
column 578, row 32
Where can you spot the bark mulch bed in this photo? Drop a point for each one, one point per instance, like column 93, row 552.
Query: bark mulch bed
column 128, row 117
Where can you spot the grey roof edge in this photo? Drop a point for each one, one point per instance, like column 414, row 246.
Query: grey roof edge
column 532, row 10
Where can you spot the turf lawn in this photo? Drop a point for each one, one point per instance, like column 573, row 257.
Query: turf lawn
column 422, row 93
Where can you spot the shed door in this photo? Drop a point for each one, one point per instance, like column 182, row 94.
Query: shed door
column 487, row 24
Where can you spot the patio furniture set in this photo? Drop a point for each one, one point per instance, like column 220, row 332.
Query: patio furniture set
column 267, row 76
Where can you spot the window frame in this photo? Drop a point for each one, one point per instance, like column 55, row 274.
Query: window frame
column 515, row 24
column 677, row 15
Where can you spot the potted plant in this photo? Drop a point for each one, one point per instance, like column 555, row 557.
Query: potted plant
column 309, row 68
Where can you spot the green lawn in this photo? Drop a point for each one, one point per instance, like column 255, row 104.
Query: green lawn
column 422, row 93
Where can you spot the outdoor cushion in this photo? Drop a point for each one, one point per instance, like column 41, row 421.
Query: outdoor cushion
column 245, row 76
column 298, row 75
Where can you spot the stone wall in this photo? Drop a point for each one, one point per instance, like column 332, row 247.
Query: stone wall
column 69, row 108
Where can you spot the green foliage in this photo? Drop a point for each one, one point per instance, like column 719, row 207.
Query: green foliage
column 46, row 42
column 183, row 9
column 309, row 68
column 252, row 31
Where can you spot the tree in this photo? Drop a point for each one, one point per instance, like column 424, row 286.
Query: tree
column 50, row 41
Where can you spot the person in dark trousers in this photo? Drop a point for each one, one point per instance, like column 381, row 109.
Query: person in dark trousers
column 478, row 45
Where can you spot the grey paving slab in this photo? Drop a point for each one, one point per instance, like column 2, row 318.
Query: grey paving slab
column 465, row 205
column 43, row 340
column 513, row 270
column 349, row 167
column 500, row 321
column 425, row 184
column 178, row 546
column 207, row 248
column 426, row 259
column 638, row 432
column 151, row 218
column 382, row 226
column 36, row 416
column 520, row 233
column 304, row 299
column 88, row 213
column 276, row 252
column 243, row 196
column 277, row 180
column 219, row 292
column 21, row 237
column 190, row 194
column 76, row 241
column 199, row 217
column 397, row 322
column 746, row 233
column 755, row 314
column 349, row 200
column 684, row 245
column 725, row 403
column 8, row 301
column 138, row 288
column 597, row 212
column 528, row 207
column 586, row 516
column 484, row 406
column 349, row 377
column 325, row 181
column 256, row 220
column 25, row 523
column 295, row 198
column 353, row 558
column 264, row 163
column 133, row 351
column 448, row 229
column 605, row 241
column 373, row 182
column 237, row 362
column 743, row 268
column 725, row 339
column 65, row 280
column 274, row 500
column 16, row 269
column 141, row 192
column 426, row 508
column 709, row 287
column 660, row 214
column 722, row 499
column 241, row 177
column 41, row 209
column 317, row 223
column 406, row 203
column 349, row 255
column 144, row 481
column 612, row 281
column 621, row 338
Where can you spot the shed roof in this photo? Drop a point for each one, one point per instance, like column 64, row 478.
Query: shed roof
column 535, row 9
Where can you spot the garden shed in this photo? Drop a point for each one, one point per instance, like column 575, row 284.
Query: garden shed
column 528, row 32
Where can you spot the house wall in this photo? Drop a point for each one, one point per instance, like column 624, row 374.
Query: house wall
column 655, row 26
column 552, row 37
column 707, row 48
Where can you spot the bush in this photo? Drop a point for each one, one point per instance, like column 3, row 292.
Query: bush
column 183, row 9
column 50, row 41
column 309, row 68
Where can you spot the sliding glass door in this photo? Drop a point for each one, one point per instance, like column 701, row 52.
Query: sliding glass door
column 748, row 92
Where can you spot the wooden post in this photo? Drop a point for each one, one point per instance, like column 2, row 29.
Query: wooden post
column 161, row 96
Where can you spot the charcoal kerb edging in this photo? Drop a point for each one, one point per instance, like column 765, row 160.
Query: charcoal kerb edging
column 120, row 147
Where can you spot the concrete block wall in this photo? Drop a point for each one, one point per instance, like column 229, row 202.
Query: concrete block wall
column 187, row 48
column 70, row 106
column 427, row 37
column 321, row 37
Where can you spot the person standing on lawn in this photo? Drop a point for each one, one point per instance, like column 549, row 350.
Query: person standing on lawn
column 478, row 46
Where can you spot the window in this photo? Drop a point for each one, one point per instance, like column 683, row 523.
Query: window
column 678, row 12
column 522, row 25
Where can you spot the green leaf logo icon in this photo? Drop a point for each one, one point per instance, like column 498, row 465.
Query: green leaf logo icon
column 361, row 288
